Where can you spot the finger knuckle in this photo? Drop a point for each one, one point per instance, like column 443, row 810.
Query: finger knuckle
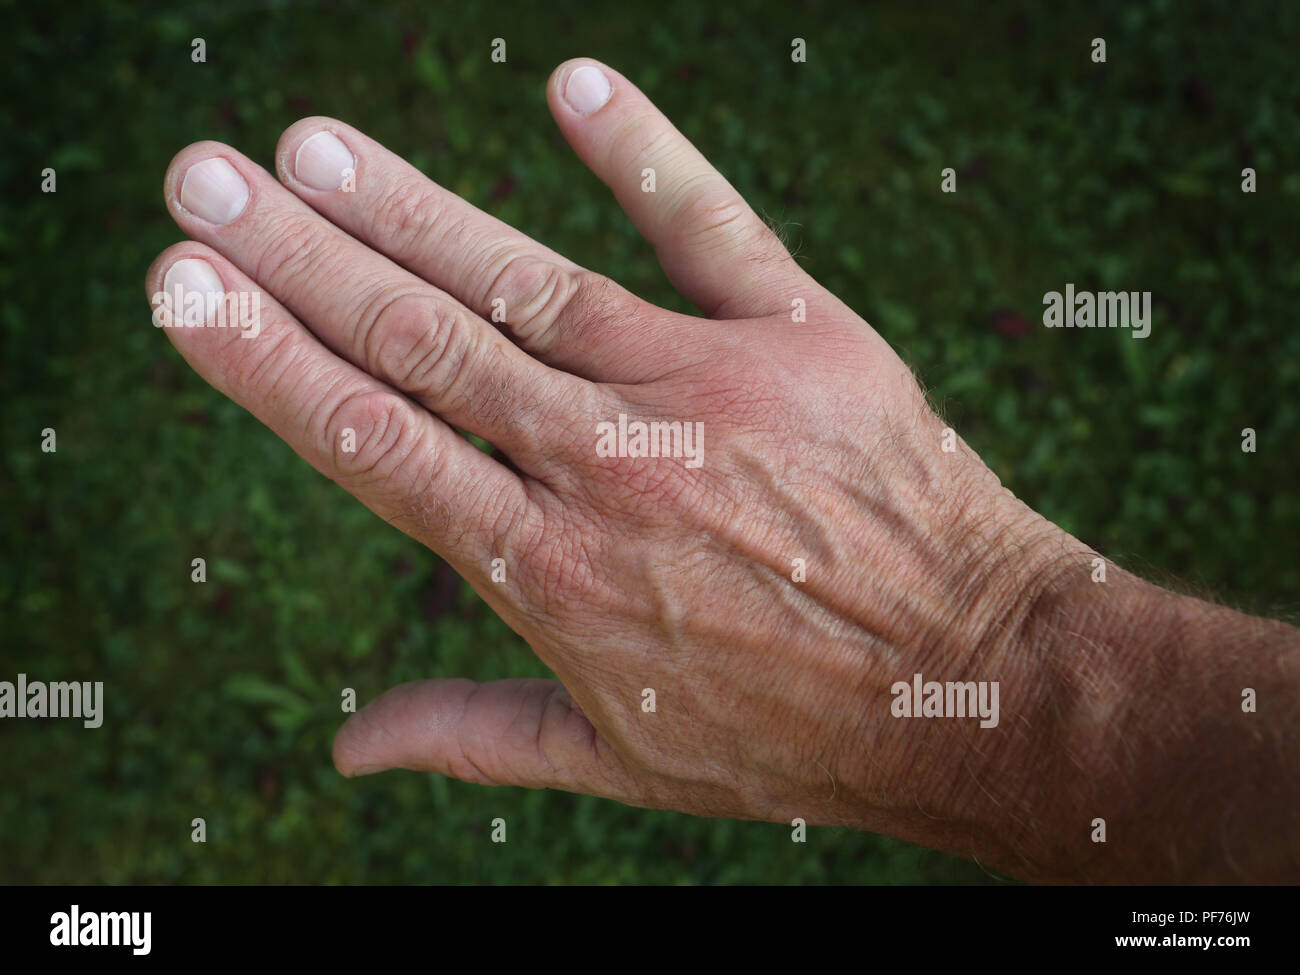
column 267, row 365
column 291, row 249
column 637, row 142
column 406, row 212
column 385, row 440
column 710, row 214
column 540, row 297
column 414, row 340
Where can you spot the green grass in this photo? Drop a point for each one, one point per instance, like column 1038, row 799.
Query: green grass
column 222, row 698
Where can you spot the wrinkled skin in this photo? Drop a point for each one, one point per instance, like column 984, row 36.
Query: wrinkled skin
column 771, row 687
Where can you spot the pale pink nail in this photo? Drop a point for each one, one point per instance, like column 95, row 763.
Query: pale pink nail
column 323, row 161
column 587, row 89
column 214, row 190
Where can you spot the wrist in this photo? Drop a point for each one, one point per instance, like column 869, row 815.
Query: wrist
column 1139, row 763
column 978, row 603
column 1013, row 573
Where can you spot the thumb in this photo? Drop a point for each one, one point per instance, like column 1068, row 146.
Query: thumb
column 507, row 732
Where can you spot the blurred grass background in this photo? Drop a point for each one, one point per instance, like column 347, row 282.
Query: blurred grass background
column 222, row 699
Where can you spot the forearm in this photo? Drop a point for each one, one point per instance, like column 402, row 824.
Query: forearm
column 1139, row 735
column 1171, row 719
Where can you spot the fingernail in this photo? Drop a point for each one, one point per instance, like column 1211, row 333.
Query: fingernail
column 193, row 275
column 587, row 89
column 321, row 161
column 214, row 190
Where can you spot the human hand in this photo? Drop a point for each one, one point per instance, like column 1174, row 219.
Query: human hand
column 818, row 538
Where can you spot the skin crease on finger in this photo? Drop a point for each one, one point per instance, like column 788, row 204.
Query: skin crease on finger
column 835, row 538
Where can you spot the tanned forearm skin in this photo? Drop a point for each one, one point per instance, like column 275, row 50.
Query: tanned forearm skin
column 1145, row 736
column 1151, row 724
